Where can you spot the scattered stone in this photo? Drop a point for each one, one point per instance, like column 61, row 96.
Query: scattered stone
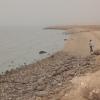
column 65, row 39
column 41, row 87
column 41, row 93
column 43, row 77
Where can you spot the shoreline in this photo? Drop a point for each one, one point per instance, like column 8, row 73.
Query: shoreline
column 28, row 65
column 50, row 75
column 76, row 32
column 27, row 52
column 50, row 78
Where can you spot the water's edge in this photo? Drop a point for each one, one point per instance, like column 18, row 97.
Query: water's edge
column 22, row 46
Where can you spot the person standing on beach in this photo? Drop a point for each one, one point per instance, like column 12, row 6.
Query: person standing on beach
column 91, row 46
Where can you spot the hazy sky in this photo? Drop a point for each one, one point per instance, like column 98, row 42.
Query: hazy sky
column 49, row 12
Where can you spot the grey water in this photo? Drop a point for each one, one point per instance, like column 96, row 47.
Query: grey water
column 21, row 45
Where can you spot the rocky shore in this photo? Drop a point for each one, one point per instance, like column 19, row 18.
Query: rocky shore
column 51, row 78
column 45, row 79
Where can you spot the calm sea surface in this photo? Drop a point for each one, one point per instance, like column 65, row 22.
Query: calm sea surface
column 19, row 45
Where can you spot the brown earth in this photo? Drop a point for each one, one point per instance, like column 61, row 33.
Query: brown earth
column 85, row 88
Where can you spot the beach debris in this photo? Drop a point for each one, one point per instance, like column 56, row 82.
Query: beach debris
column 42, row 52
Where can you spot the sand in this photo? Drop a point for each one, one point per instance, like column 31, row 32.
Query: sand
column 86, row 87
column 78, row 43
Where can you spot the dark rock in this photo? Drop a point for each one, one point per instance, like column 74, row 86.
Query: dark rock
column 97, row 52
column 65, row 39
column 42, row 52
column 41, row 87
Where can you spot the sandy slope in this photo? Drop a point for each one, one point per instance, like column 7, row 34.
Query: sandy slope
column 85, row 88
column 78, row 43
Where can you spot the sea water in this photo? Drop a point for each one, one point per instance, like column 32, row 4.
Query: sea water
column 21, row 45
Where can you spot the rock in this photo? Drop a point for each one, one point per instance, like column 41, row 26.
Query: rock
column 41, row 93
column 41, row 87
column 37, row 98
column 42, row 52
column 44, row 78
column 65, row 39
column 59, row 84
column 97, row 52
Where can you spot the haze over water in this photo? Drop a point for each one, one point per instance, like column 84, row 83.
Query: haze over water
column 48, row 12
